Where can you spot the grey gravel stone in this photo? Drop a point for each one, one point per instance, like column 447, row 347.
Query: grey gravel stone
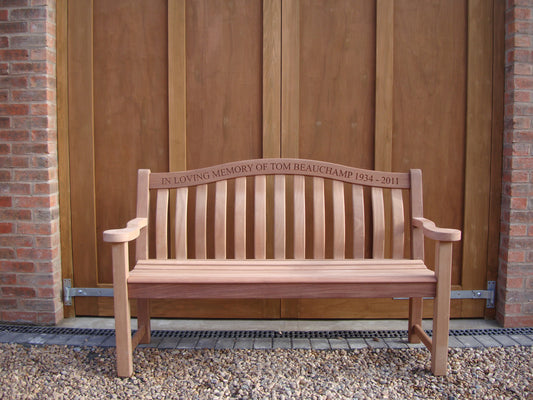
column 488, row 341
column 301, row 343
column 225, row 343
column 357, row 343
column 319, row 344
column 376, row 343
column 339, row 344
column 523, row 340
column 263, row 343
column 454, row 342
column 67, row 372
column 244, row 343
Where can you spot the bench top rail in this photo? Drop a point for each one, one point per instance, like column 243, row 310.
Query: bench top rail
column 279, row 166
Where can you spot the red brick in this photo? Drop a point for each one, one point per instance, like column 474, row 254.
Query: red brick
column 35, row 202
column 5, row 123
column 17, row 291
column 52, row 318
column 9, row 214
column 14, row 55
column 30, row 95
column 32, row 228
column 14, row 109
column 15, row 188
column 5, row 176
column 32, row 148
column 28, row 13
column 6, row 201
column 519, row 203
column 20, row 316
column 6, row 227
column 7, row 254
column 43, row 109
column 8, row 279
column 14, row 162
column 5, row 149
column 515, row 283
column 14, row 135
column 3, row 15
column 511, row 309
column 16, row 241
column 17, row 266
column 38, row 305
column 37, row 254
column 13, row 27
column 35, row 280
column 32, row 175
column 517, row 321
column 8, row 304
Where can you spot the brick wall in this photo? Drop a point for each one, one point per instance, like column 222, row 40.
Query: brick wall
column 515, row 275
column 30, row 270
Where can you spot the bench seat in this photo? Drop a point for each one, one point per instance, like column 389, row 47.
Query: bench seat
column 274, row 279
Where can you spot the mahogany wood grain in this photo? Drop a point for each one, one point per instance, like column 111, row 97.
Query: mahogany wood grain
column 180, row 235
column 280, row 166
column 161, row 224
column 319, row 218
column 339, row 220
column 358, row 204
column 299, row 217
column 240, row 218
column 398, row 224
column 260, row 225
column 201, row 222
column 143, row 209
column 378, row 224
column 221, row 203
column 280, row 214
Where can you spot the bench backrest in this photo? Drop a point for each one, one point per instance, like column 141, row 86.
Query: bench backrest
column 283, row 199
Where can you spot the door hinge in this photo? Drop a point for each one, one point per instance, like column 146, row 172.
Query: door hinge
column 488, row 294
column 69, row 292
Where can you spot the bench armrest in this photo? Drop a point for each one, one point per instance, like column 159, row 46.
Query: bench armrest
column 132, row 231
column 432, row 232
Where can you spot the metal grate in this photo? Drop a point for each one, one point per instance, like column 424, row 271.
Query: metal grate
column 261, row 334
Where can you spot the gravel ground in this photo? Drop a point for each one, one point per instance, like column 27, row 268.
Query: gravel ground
column 60, row 372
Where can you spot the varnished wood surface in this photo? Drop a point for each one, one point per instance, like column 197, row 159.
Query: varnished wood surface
column 280, row 166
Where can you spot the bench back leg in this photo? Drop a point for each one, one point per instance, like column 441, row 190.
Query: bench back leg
column 441, row 309
column 415, row 318
column 122, row 310
column 143, row 320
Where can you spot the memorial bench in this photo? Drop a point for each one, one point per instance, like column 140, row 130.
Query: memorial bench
column 264, row 269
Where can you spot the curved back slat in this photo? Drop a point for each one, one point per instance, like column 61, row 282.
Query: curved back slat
column 260, row 217
column 299, row 217
column 378, row 222
column 161, row 225
column 200, row 237
column 180, row 237
column 319, row 219
column 358, row 204
column 339, row 220
column 280, row 217
column 221, row 201
column 398, row 224
column 240, row 218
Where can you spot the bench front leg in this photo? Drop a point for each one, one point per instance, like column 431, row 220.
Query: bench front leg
column 124, row 352
column 415, row 318
column 441, row 308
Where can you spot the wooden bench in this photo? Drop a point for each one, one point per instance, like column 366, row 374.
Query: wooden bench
column 264, row 187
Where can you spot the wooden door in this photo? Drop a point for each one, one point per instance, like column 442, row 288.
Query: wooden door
column 176, row 84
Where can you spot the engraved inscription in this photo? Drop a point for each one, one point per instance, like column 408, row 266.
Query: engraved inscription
column 279, row 166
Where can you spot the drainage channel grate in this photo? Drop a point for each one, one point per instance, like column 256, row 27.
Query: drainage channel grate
column 261, row 334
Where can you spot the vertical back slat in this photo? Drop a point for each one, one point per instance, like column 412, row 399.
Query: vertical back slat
column 358, row 203
column 143, row 206
column 378, row 220
column 200, row 238
column 260, row 217
column 280, row 216
column 240, row 218
column 319, row 219
column 221, row 201
column 416, row 199
column 398, row 224
column 339, row 220
column 299, row 217
column 180, row 236
column 161, row 225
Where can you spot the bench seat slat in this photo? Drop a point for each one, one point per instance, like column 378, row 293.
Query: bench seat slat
column 282, row 290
